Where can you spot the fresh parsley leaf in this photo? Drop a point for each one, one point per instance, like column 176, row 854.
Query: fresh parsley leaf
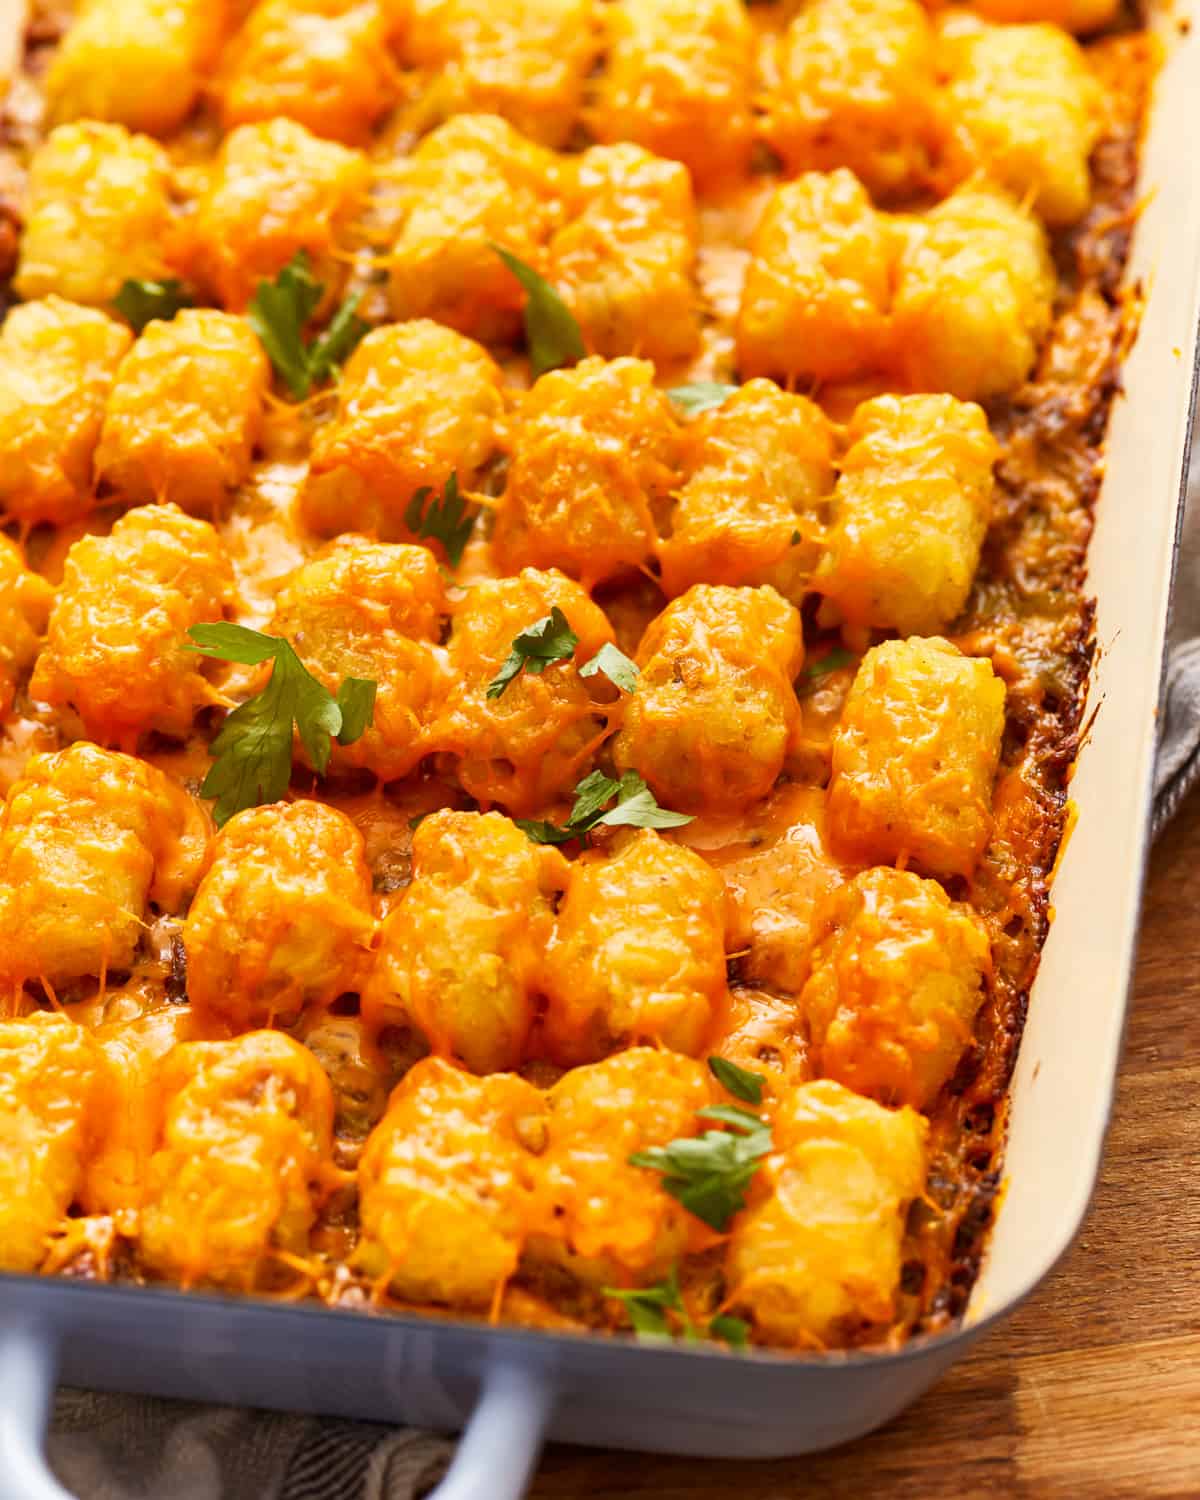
column 547, row 640
column 709, row 1174
column 615, row 665
column 832, row 661
column 700, row 395
column 252, row 753
column 552, row 335
column 635, row 808
column 445, row 518
column 279, row 312
column 356, row 699
column 140, row 302
column 740, row 1082
column 732, row 1331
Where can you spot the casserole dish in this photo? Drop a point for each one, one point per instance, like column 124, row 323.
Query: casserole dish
column 698, row 1401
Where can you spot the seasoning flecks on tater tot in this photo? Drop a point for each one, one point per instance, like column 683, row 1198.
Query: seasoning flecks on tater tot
column 282, row 918
column 819, row 1254
column 1027, row 111
column 446, row 1185
column 896, row 980
column 856, row 89
column 638, row 952
column 526, row 60
column 461, row 952
column 274, row 189
column 910, row 510
column 973, row 296
column 96, row 214
column 57, row 363
column 817, row 291
column 417, row 403
column 610, row 1222
column 625, row 259
column 116, row 647
column 25, row 599
column 594, row 460
column 243, row 1159
column 322, row 63
column 710, row 724
column 52, row 1077
column 89, row 837
column 472, row 184
column 679, row 80
column 140, row 63
column 372, row 610
column 526, row 748
column 184, row 413
column 915, row 756
column 758, row 471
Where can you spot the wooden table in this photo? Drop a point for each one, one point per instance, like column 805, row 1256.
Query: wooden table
column 1092, row 1390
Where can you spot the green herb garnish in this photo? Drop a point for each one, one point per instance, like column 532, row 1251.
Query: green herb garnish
column 701, row 395
column 635, row 807
column 740, row 1082
column 832, row 661
column 659, row 1312
column 252, row 754
column 445, row 518
column 279, row 312
column 140, row 302
column 615, row 665
column 547, row 640
column 709, row 1173
column 552, row 335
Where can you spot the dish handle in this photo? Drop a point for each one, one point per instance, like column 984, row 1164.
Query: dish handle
column 495, row 1458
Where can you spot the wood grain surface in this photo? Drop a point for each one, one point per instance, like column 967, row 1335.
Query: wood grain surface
column 1092, row 1390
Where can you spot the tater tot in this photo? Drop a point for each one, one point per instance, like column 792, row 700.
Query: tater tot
column 461, row 952
column 322, row 63
column 974, row 290
column 896, row 980
column 96, row 214
column 610, row 1222
column 679, row 80
column 910, row 511
column 140, row 63
column 89, row 839
column 243, row 1159
column 526, row 60
column 471, row 184
column 117, row 643
column 710, row 723
column 525, row 749
column 282, row 918
column 594, row 460
column 915, row 755
column 185, row 412
column 25, row 599
column 57, row 363
column 52, row 1078
column 815, row 300
column 1027, row 111
column 446, row 1185
column 369, row 610
column 758, row 471
column 820, row 1253
column 1079, row 16
column 638, row 953
column 274, row 189
column 625, row 259
column 417, row 403
column 856, row 89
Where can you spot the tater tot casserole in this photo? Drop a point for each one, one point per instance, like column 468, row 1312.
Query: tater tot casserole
column 542, row 641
